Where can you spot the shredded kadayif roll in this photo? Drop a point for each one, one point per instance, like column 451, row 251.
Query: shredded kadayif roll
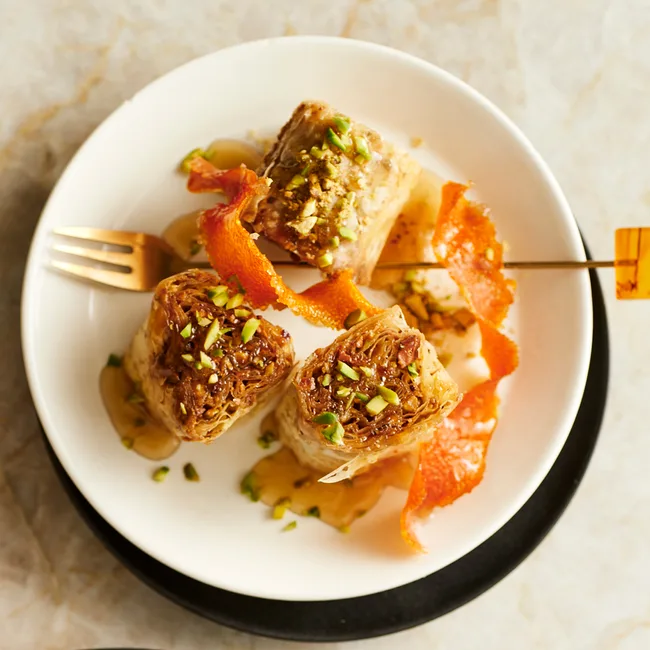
column 233, row 252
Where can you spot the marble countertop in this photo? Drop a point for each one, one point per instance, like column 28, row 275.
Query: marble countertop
column 574, row 75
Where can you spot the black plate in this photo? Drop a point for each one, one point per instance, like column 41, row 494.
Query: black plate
column 415, row 603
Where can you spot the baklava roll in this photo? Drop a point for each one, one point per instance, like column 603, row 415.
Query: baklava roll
column 203, row 359
column 377, row 391
column 337, row 188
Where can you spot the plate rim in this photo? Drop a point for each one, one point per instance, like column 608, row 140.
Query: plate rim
column 334, row 629
column 32, row 265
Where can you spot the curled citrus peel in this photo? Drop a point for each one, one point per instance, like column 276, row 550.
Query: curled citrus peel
column 234, row 254
column 453, row 462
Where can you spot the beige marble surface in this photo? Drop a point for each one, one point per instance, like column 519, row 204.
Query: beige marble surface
column 574, row 74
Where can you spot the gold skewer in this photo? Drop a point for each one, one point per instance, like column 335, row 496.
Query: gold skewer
column 569, row 264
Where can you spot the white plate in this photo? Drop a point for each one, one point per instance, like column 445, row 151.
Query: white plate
column 124, row 177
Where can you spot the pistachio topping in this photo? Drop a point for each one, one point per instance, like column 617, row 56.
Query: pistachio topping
column 235, row 301
column 280, row 508
column 190, row 473
column 249, row 329
column 326, row 418
column 290, row 526
column 267, row 439
column 389, row 395
column 114, row 361
column 376, row 405
column 314, row 511
column 368, row 372
column 187, row 357
column 325, row 259
column 354, row 317
column 213, row 378
column 347, row 371
column 186, row 332
column 334, row 433
column 348, row 233
column 195, row 153
column 413, row 369
column 160, row 474
column 335, row 140
column 342, row 123
column 206, row 362
column 249, row 486
column 361, row 147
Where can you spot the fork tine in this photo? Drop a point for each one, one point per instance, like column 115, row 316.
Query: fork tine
column 98, row 235
column 112, row 278
column 109, row 257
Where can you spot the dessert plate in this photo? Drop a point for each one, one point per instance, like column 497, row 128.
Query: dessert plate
column 125, row 177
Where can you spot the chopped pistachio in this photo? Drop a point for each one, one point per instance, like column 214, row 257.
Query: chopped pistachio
column 186, row 332
column 326, row 380
column 295, row 182
column 267, row 439
column 368, row 372
column 190, row 473
column 290, row 526
column 127, row 443
column 135, row 398
column 330, row 170
column 354, row 317
column 361, row 146
column 213, row 335
column 221, row 299
column 362, row 397
column 325, row 259
column 195, row 153
column 415, row 303
column 303, row 226
column 235, row 301
column 242, row 313
column 316, row 152
column 114, row 361
column 197, row 365
column 182, row 407
column 344, row 529
column 218, row 353
column 339, row 376
column 204, row 322
column 326, row 418
column 314, row 511
column 321, row 221
column 215, row 291
column 309, row 208
column 342, row 123
column 360, row 160
column 249, row 486
column 187, row 357
column 389, row 395
column 249, row 329
column 160, row 474
column 343, row 391
column 347, row 371
column 410, row 275
column 195, row 247
column 417, row 286
column 206, row 362
column 280, row 508
column 413, row 369
column 376, row 405
column 334, row 242
column 213, row 378
column 348, row 233
column 334, row 433
column 305, row 170
column 334, row 139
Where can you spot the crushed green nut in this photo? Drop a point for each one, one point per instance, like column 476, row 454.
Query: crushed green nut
column 160, row 474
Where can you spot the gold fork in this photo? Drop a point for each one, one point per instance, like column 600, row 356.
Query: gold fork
column 146, row 259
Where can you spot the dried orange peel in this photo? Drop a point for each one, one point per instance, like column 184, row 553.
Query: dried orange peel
column 234, row 254
column 453, row 462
